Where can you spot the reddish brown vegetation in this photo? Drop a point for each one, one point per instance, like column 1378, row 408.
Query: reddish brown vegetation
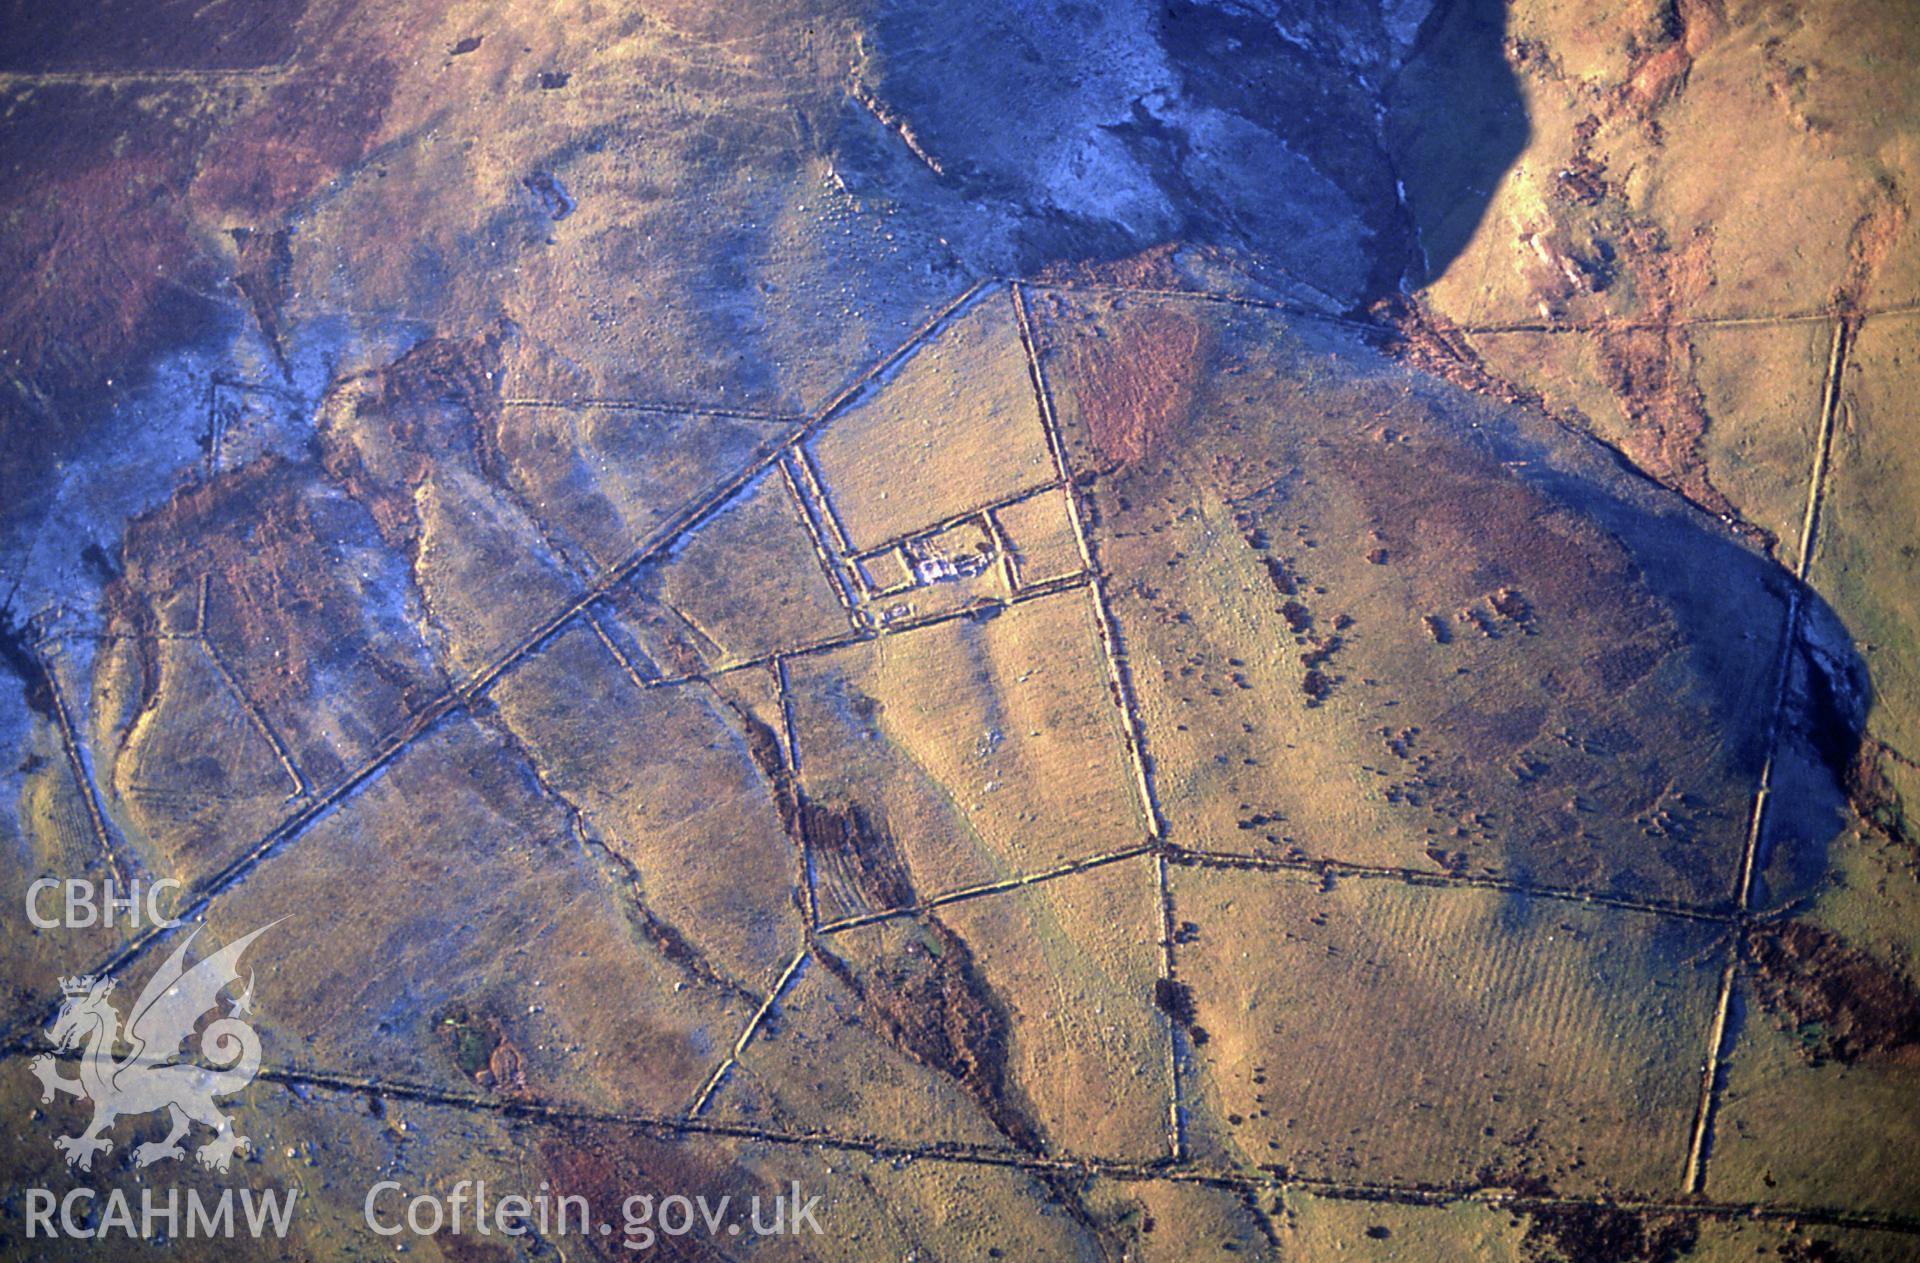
column 1872, row 239
column 1660, row 76
column 1842, row 1002
column 1650, row 370
column 86, row 257
column 1435, row 344
column 266, row 539
column 254, row 531
column 438, row 400
column 1155, row 268
column 324, row 117
column 1135, row 374
column 931, row 1003
column 607, row 1165
column 97, row 250
column 856, row 856
column 853, row 855
column 109, row 207
column 313, row 125
column 925, row 993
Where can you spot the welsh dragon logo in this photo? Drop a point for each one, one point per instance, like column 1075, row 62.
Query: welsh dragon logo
column 152, row 1076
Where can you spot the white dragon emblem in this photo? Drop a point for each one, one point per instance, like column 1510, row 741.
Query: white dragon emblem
column 152, row 1077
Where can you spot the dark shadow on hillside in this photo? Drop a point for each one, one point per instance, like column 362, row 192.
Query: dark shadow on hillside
column 1455, row 123
column 1812, row 722
column 1306, row 143
column 1817, row 759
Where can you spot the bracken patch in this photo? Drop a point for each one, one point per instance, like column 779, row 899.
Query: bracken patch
column 1842, row 1003
column 1137, row 375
